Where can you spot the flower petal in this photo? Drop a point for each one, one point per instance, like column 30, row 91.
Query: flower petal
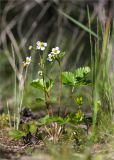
column 57, row 48
column 42, row 48
column 45, row 44
column 38, row 47
column 38, row 42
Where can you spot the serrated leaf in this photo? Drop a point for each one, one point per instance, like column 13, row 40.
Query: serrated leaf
column 16, row 134
column 81, row 72
column 68, row 78
column 38, row 83
column 81, row 76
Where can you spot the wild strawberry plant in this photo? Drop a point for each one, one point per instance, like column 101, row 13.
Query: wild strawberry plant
column 45, row 84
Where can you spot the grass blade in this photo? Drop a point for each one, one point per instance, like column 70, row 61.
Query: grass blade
column 78, row 24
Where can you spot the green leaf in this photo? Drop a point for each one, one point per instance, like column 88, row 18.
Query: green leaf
column 38, row 83
column 68, row 78
column 32, row 127
column 82, row 72
column 76, row 78
column 81, row 76
column 62, row 54
column 82, row 82
column 43, row 120
column 79, row 100
column 50, row 119
column 40, row 100
column 79, row 24
column 16, row 134
column 49, row 84
column 76, row 118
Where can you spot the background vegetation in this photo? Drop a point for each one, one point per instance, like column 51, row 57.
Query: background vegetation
column 81, row 28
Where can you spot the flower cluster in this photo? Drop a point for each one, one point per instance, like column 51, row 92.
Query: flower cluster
column 27, row 62
column 54, row 54
column 41, row 45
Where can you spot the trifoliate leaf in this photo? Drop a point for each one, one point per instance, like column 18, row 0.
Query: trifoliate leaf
column 68, row 78
column 81, row 72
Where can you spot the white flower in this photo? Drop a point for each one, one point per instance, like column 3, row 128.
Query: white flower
column 50, row 57
column 55, row 51
column 54, row 55
column 41, row 45
column 28, row 60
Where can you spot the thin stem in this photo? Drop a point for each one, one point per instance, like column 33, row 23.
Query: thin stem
column 60, row 95
column 42, row 65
